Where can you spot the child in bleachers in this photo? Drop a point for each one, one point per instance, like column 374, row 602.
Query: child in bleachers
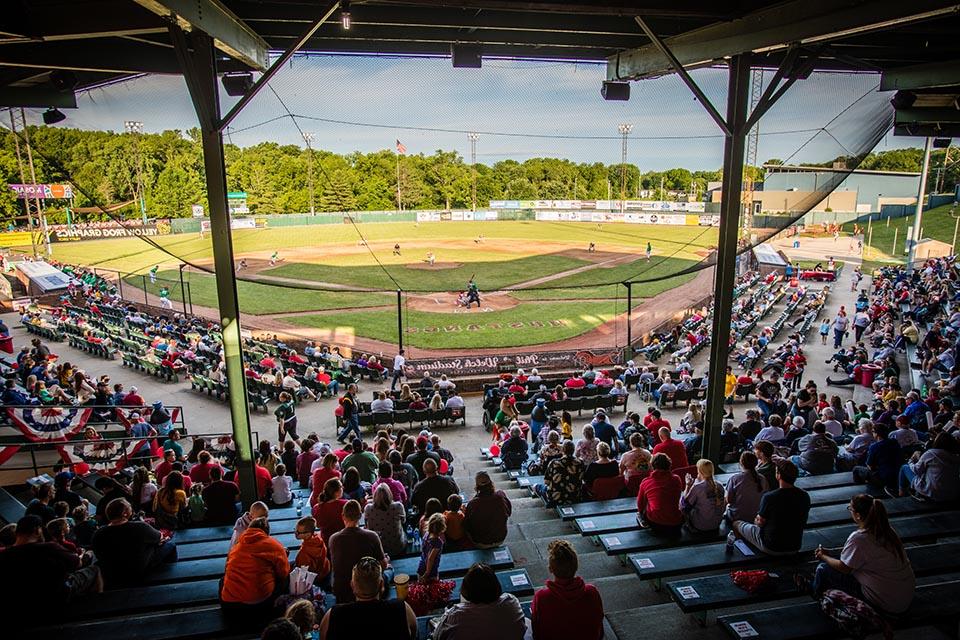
column 57, row 531
column 196, row 505
column 432, row 506
column 432, row 548
column 313, row 551
column 62, row 510
column 566, row 425
column 84, row 526
column 456, row 539
column 257, row 510
column 282, row 484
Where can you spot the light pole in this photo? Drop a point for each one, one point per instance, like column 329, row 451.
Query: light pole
column 624, row 130
column 135, row 127
column 308, row 138
column 473, row 137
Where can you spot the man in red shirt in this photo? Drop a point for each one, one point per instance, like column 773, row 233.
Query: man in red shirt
column 575, row 382
column 673, row 449
column 133, row 399
column 656, row 422
column 568, row 607
column 264, row 481
column 658, row 502
column 200, row 472
column 166, row 465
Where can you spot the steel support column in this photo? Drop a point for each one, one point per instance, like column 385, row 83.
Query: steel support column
column 629, row 286
column 738, row 89
column 197, row 58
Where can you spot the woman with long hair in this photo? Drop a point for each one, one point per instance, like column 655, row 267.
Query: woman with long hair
column 142, row 490
column 744, row 490
column 385, row 517
column 872, row 565
column 328, row 512
column 702, row 500
column 353, row 488
column 170, row 501
column 326, row 470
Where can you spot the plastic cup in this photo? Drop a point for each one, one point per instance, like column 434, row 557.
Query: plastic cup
column 402, row 582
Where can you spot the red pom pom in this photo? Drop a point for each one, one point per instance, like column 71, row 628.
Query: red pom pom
column 81, row 468
column 445, row 466
column 494, row 450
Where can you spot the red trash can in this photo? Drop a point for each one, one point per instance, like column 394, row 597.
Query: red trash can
column 867, row 373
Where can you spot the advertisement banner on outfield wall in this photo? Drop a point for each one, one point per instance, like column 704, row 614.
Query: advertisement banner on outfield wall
column 100, row 230
column 15, row 239
column 708, row 221
column 600, row 205
column 235, row 223
column 600, row 358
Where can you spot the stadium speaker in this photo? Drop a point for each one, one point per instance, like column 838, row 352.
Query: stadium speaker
column 466, row 56
column 903, row 99
column 615, row 90
column 941, row 143
column 53, row 116
column 237, row 84
column 63, row 80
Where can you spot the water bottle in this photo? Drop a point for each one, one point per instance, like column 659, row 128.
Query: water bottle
column 299, row 506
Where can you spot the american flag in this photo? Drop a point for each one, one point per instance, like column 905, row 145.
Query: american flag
column 400, row 148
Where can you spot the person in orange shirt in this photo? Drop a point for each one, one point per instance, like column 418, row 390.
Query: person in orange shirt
column 256, row 573
column 455, row 535
column 313, row 551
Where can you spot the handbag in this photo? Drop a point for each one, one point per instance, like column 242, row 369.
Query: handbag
column 854, row 616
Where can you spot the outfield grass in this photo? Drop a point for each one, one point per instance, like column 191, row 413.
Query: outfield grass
column 640, row 270
column 552, row 321
column 132, row 255
column 258, row 298
column 487, row 274
column 937, row 224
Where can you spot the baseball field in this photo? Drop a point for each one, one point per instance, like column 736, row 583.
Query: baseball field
column 539, row 282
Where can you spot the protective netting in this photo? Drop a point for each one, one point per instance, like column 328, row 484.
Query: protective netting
column 360, row 216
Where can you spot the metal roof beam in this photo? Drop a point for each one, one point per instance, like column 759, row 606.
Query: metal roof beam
column 927, row 116
column 947, row 130
column 921, row 76
column 37, row 97
column 230, row 34
column 774, row 28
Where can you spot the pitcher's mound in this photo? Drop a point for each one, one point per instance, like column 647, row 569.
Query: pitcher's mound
column 436, row 266
column 446, row 302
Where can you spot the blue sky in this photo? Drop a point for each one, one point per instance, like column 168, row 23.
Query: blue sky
column 528, row 100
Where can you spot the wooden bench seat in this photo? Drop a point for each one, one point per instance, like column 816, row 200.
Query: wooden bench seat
column 664, row 563
column 931, row 603
column 627, row 520
column 696, row 595
column 458, row 562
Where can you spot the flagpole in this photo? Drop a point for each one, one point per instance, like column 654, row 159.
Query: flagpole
column 399, row 204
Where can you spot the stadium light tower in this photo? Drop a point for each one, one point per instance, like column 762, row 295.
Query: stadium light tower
column 473, row 137
column 308, row 137
column 135, row 128
column 624, row 130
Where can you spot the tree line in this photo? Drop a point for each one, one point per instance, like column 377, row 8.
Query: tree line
column 108, row 168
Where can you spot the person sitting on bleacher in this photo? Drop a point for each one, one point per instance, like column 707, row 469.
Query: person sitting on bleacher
column 781, row 518
column 604, row 431
column 256, row 573
column 128, row 549
column 587, row 446
column 567, row 607
column 744, row 490
column 603, row 467
column 513, row 451
column 562, row 478
column 484, row 610
column 552, row 450
column 935, row 473
column 366, row 610
column 348, row 546
column 487, row 513
column 818, row 452
column 432, row 486
column 220, row 498
column 773, row 432
column 872, row 565
column 41, row 577
column 672, row 448
column 658, row 501
column 703, row 500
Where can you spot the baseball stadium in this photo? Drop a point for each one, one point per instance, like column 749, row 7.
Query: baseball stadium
column 479, row 319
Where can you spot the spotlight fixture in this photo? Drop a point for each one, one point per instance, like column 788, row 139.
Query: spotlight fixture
column 615, row 90
column 903, row 99
column 53, row 116
column 466, row 56
column 237, row 84
column 346, row 19
column 63, row 80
